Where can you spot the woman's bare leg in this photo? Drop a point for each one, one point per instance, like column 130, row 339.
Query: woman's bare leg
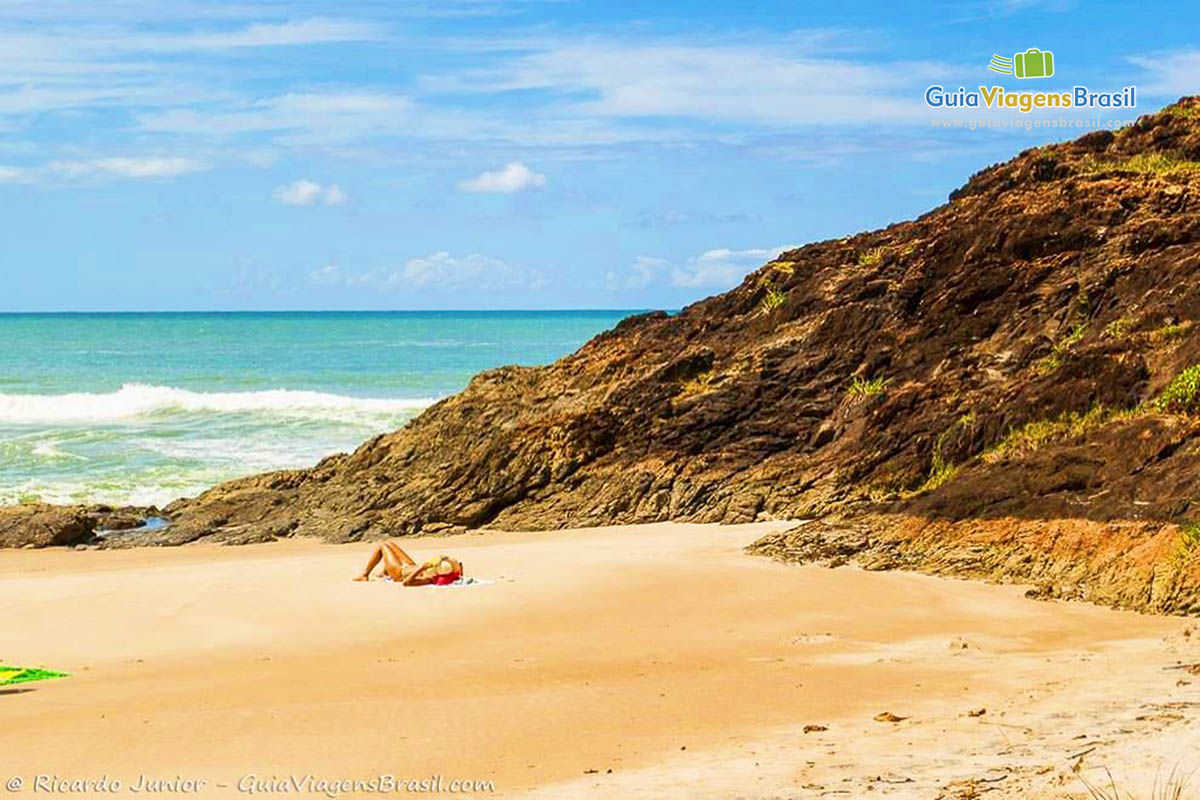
column 404, row 557
column 392, row 565
column 372, row 562
column 394, row 559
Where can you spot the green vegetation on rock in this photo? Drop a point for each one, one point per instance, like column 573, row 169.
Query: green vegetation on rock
column 1170, row 332
column 861, row 387
column 1156, row 163
column 1033, row 435
column 871, row 257
column 772, row 300
column 1181, row 395
column 1061, row 350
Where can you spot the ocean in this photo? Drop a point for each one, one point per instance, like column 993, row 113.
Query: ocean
column 143, row 408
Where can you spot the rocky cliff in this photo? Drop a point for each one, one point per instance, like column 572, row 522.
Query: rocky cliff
column 1025, row 353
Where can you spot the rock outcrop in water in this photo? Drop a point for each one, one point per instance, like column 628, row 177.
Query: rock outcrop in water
column 1024, row 353
column 44, row 525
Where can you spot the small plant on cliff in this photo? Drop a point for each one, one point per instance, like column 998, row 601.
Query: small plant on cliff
column 1186, row 112
column 1170, row 332
column 1061, row 350
column 940, row 472
column 700, row 384
column 871, row 257
column 1153, row 163
column 1071, row 338
column 1030, row 437
column 1048, row 364
column 1189, row 540
column 1189, row 536
column 1160, row 163
column 772, row 300
column 860, row 387
column 1119, row 328
column 1182, row 395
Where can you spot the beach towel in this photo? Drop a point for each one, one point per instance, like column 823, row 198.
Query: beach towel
column 463, row 582
column 11, row 675
column 459, row 582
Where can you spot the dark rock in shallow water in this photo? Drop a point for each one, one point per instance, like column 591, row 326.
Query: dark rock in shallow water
column 118, row 521
column 45, row 525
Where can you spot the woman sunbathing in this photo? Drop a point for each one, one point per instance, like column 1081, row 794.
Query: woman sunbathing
column 398, row 566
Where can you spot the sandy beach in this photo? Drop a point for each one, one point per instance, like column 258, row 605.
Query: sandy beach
column 642, row 661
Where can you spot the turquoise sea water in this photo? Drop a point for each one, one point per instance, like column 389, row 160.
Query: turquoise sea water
column 144, row 408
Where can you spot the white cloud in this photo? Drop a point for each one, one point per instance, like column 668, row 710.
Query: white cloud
column 1172, row 74
column 745, row 84
column 195, row 81
column 719, row 268
column 299, row 193
column 107, row 43
column 128, row 167
column 334, row 196
column 440, row 270
column 333, row 114
column 302, row 32
column 723, row 267
column 29, row 99
column 128, row 65
column 589, row 93
column 306, row 193
column 334, row 276
column 644, row 271
column 445, row 270
column 11, row 175
column 513, row 178
column 330, row 275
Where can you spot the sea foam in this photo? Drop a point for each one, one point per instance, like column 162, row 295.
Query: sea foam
column 138, row 400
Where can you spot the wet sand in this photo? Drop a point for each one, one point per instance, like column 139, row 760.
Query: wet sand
column 659, row 652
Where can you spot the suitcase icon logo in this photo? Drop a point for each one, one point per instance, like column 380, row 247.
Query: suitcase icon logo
column 1033, row 63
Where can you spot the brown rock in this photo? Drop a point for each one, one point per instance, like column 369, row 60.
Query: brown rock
column 41, row 525
column 1040, row 291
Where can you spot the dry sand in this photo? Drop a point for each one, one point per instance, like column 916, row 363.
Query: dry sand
column 659, row 652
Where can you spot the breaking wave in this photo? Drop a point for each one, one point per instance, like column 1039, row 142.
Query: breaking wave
column 141, row 400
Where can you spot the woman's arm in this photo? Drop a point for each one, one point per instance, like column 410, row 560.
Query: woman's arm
column 415, row 575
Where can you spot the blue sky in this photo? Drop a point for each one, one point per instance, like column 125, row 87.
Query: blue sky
column 159, row 155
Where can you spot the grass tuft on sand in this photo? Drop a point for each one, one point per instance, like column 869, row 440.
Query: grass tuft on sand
column 1170, row 788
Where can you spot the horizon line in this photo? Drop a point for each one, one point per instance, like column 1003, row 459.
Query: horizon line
column 332, row 311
